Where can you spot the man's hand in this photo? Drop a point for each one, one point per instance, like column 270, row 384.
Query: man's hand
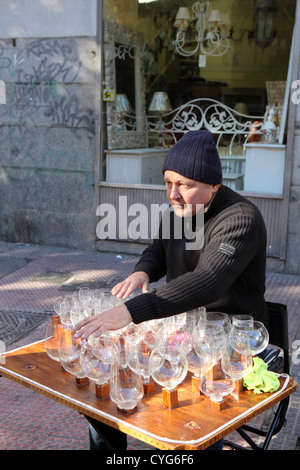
column 113, row 319
column 125, row 288
column 117, row 317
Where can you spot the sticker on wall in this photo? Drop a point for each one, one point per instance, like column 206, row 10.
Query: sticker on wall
column 108, row 95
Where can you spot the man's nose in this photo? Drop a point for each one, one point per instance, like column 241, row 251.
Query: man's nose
column 174, row 192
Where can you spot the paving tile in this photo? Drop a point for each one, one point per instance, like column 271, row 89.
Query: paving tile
column 29, row 420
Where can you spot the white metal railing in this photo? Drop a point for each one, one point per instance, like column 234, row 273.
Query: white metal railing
column 231, row 127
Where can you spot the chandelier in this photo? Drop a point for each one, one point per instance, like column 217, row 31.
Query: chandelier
column 212, row 31
column 265, row 12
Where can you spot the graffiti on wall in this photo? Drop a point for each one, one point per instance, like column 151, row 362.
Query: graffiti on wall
column 43, row 80
column 46, row 139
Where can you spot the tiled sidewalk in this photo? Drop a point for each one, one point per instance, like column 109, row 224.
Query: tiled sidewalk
column 31, row 277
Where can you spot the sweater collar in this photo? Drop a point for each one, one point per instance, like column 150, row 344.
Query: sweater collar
column 217, row 202
column 210, row 208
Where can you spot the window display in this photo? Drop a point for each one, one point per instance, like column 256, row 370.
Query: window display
column 213, row 63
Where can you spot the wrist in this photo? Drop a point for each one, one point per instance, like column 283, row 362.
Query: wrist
column 126, row 315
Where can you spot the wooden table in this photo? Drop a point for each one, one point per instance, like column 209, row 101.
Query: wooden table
column 193, row 425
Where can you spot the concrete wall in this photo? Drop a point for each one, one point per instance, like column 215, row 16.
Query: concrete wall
column 47, row 18
column 47, row 127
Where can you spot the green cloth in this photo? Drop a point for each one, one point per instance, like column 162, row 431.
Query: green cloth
column 259, row 379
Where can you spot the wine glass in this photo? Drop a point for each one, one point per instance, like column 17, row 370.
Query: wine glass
column 132, row 334
column 96, row 306
column 168, row 370
column 75, row 298
column 52, row 338
column 62, row 308
column 197, row 357
column 217, row 381
column 56, row 304
column 240, row 355
column 85, row 310
column 105, row 300
column 242, row 322
column 193, row 317
column 194, row 366
column 173, row 337
column 96, row 294
column 70, row 300
column 208, row 339
column 109, row 301
column 118, row 339
column 221, row 318
column 69, row 353
column 258, row 337
column 180, row 319
column 97, row 359
column 206, row 336
column 126, row 388
column 75, row 315
column 138, row 358
column 149, row 330
column 193, row 359
column 84, row 294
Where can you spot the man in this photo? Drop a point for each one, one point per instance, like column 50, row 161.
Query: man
column 225, row 273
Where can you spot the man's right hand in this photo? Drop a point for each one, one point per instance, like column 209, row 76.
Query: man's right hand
column 138, row 279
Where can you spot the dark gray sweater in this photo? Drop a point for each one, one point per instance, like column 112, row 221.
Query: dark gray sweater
column 226, row 275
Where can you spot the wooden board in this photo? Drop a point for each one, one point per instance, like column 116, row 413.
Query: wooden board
column 194, row 424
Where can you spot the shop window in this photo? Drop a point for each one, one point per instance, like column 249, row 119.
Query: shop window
column 246, row 85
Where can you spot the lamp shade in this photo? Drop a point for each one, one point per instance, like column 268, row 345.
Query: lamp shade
column 241, row 108
column 215, row 16
column 225, row 20
column 182, row 18
column 123, row 104
column 183, row 14
column 160, row 103
column 225, row 25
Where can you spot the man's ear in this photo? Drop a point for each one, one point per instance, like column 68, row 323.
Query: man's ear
column 215, row 188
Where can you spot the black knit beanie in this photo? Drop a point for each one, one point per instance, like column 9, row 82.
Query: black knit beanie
column 195, row 156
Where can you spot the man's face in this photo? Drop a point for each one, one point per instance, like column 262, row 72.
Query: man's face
column 184, row 194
